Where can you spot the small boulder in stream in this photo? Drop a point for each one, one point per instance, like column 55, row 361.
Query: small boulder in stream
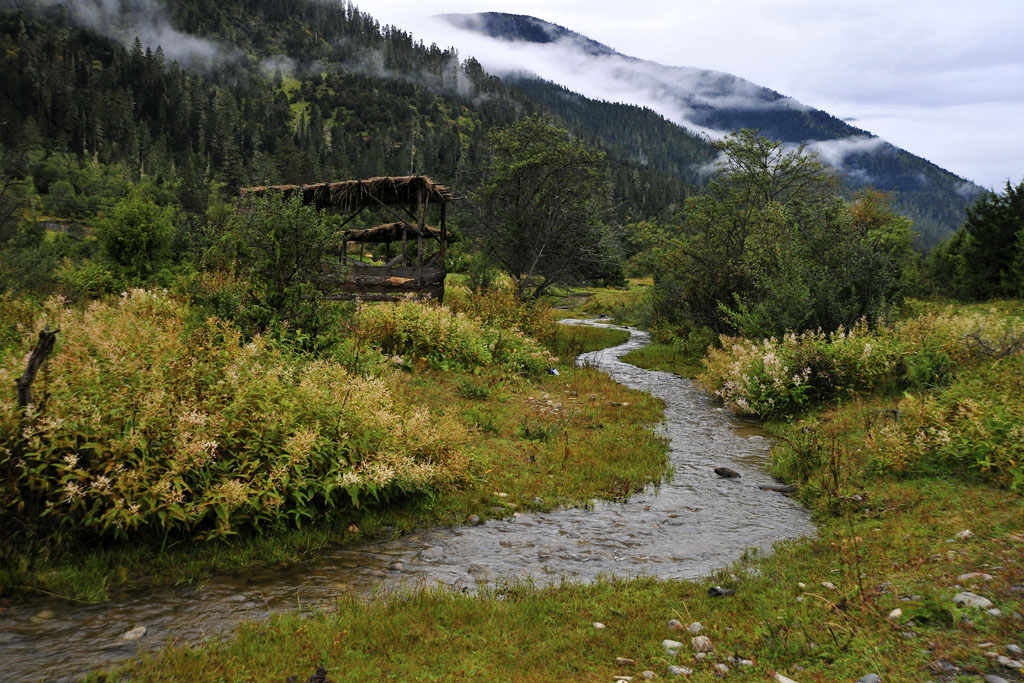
column 727, row 473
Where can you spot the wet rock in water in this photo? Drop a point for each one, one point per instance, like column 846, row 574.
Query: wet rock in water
column 870, row 678
column 624, row 661
column 701, row 644
column 679, row 671
column 134, row 634
column 726, row 473
column 784, row 489
column 969, row 599
column 695, row 628
column 671, row 646
column 675, row 625
column 718, row 591
column 473, row 520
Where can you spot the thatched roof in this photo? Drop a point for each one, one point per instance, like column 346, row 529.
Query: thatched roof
column 355, row 194
column 389, row 232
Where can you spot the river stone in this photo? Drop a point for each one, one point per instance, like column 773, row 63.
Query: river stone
column 870, row 678
column 675, row 625
column 1009, row 663
column 701, row 644
column 969, row 599
column 679, row 671
column 671, row 646
column 695, row 628
column 134, row 634
column 727, row 473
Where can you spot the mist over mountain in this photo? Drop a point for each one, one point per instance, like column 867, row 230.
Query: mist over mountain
column 253, row 91
column 539, row 56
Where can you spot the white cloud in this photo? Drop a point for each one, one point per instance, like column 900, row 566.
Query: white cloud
column 125, row 20
column 943, row 79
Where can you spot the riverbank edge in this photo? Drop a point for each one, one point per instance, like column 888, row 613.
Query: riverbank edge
column 508, row 417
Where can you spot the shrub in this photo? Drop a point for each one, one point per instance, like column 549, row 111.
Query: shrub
column 145, row 424
column 772, row 377
column 449, row 339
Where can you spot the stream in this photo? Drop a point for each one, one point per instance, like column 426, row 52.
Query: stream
column 683, row 529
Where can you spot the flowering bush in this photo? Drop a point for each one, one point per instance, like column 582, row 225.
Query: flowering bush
column 449, row 338
column 774, row 377
column 143, row 422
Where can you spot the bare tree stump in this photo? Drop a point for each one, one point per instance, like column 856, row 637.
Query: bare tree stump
column 39, row 354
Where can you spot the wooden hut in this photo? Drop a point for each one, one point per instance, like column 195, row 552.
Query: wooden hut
column 405, row 200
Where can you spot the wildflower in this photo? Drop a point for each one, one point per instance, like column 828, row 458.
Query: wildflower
column 71, row 459
column 71, row 492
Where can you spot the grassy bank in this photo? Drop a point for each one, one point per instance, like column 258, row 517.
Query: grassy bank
column 784, row 617
column 911, row 512
column 565, row 439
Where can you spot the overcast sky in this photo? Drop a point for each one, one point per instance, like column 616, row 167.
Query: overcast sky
column 942, row 79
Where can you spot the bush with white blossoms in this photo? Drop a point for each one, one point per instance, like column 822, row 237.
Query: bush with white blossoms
column 780, row 377
column 145, row 423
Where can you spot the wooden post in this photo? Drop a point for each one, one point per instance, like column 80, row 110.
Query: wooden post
column 39, row 354
column 420, row 224
column 444, row 234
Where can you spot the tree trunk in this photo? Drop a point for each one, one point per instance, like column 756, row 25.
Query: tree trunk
column 39, row 354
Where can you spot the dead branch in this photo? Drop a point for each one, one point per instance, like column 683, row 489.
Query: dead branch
column 39, row 354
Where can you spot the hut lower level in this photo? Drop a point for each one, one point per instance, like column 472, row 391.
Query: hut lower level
column 406, row 201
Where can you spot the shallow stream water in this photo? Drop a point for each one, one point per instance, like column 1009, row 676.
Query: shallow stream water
column 685, row 528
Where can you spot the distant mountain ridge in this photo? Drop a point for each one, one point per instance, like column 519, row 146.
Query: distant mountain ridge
column 715, row 102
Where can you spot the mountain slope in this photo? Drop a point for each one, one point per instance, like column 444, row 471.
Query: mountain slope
column 714, row 103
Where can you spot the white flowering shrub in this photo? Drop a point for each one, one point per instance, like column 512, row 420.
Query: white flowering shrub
column 144, row 423
column 781, row 377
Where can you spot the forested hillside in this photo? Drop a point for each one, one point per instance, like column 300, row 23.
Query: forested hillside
column 295, row 92
column 704, row 99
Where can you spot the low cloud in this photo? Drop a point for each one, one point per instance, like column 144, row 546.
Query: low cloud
column 835, row 152
column 124, row 20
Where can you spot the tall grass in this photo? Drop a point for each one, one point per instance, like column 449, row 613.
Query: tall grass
column 145, row 424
